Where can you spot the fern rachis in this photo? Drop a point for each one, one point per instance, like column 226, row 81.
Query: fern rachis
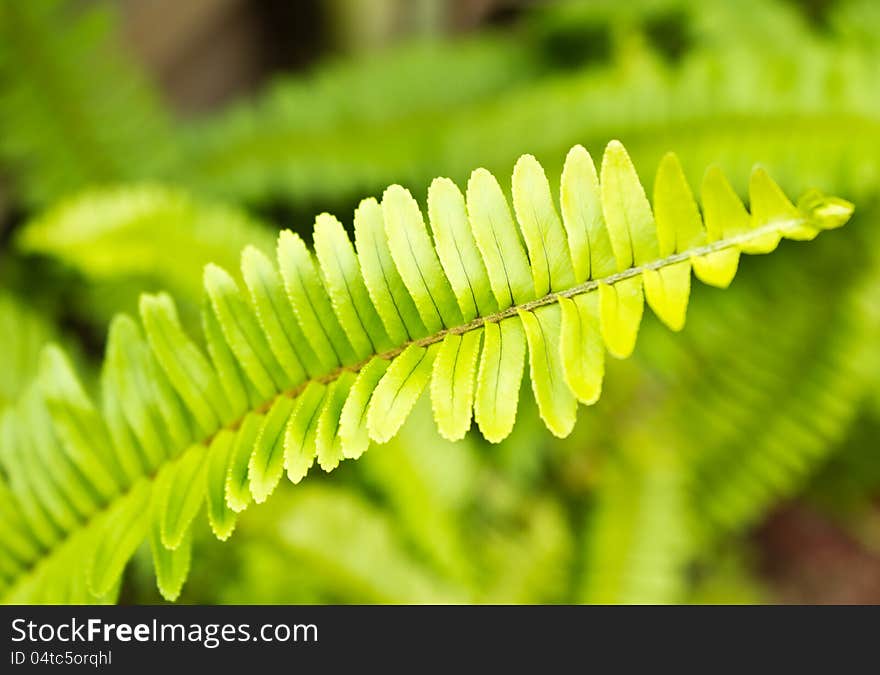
column 319, row 359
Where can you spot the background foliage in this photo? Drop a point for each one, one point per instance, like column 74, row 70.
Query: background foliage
column 735, row 462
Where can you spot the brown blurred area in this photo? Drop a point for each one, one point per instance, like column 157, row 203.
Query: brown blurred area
column 203, row 53
column 808, row 558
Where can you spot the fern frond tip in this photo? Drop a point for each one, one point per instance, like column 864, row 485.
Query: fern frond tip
column 825, row 211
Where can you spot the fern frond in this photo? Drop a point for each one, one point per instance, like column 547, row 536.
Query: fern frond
column 320, row 355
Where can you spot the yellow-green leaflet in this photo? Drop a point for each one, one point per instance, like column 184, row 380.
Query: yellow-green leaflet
column 667, row 291
column 242, row 332
column 556, row 403
column 311, row 304
column 499, row 241
column 620, row 313
column 131, row 458
column 328, row 443
column 458, row 250
column 824, row 212
column 679, row 228
column 236, row 386
column 348, row 292
column 725, row 217
column 31, row 463
column 184, row 364
column 126, row 366
column 417, row 261
column 633, row 237
column 33, row 513
column 353, row 430
column 583, row 352
column 171, row 410
column 581, row 201
column 627, row 213
column 17, row 543
column 171, row 566
column 499, row 377
column 180, row 489
column 384, row 284
column 763, row 195
column 238, row 491
column 452, row 383
column 300, row 437
column 543, row 232
column 30, row 476
column 220, row 516
column 267, row 461
column 286, row 339
column 397, row 391
column 769, row 204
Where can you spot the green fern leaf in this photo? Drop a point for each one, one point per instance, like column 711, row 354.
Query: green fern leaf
column 171, row 566
column 238, row 492
column 180, row 491
column 285, row 385
column 220, row 515
column 300, row 442
column 452, row 384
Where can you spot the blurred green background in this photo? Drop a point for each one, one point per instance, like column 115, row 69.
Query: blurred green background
column 738, row 461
